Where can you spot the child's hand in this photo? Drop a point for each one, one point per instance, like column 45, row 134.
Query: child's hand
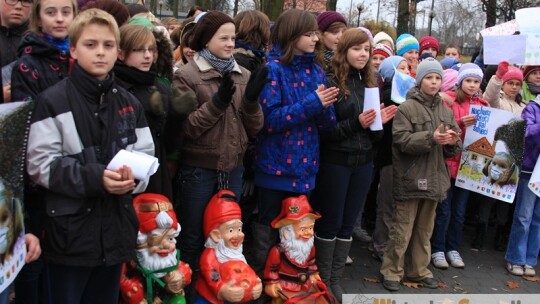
column 440, row 135
column 387, row 113
column 366, row 118
column 454, row 137
column 6, row 91
column 468, row 120
column 118, row 182
column 327, row 95
column 126, row 173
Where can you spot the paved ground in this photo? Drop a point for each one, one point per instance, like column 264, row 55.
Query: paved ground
column 484, row 273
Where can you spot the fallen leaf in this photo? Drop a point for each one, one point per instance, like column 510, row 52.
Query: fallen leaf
column 531, row 279
column 512, row 284
column 413, row 284
column 372, row 280
column 441, row 284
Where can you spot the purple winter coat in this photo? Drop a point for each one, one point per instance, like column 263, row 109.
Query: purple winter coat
column 531, row 114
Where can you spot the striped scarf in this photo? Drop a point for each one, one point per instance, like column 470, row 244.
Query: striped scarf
column 221, row 65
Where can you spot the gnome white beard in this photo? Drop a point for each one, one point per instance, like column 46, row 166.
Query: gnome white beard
column 155, row 262
column 224, row 253
column 297, row 249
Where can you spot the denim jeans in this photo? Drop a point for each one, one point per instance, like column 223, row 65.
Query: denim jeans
column 339, row 196
column 524, row 242
column 79, row 284
column 448, row 229
column 198, row 185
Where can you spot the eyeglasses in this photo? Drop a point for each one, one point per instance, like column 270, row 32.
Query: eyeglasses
column 25, row 3
column 143, row 50
column 513, row 83
column 312, row 34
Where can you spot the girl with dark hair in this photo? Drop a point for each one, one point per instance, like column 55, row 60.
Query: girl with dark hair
column 347, row 152
column 296, row 105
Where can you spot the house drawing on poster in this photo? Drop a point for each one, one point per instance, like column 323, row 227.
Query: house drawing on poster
column 479, row 153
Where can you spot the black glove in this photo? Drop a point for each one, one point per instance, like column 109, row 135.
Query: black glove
column 222, row 99
column 256, row 83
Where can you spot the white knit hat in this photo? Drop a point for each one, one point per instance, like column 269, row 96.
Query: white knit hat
column 382, row 36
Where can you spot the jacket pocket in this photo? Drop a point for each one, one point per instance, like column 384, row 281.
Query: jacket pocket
column 422, row 123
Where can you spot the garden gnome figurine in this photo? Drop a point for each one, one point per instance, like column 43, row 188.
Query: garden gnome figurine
column 225, row 276
column 291, row 275
column 158, row 275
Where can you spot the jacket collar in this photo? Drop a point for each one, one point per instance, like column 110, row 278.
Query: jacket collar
column 90, row 87
column 203, row 65
column 426, row 100
column 17, row 31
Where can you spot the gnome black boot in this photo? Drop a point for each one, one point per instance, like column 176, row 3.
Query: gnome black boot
column 480, row 236
column 501, row 238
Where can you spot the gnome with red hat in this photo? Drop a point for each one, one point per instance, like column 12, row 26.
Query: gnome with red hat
column 291, row 274
column 225, row 275
column 158, row 275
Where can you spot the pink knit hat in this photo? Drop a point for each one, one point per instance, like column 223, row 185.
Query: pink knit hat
column 449, row 79
column 513, row 73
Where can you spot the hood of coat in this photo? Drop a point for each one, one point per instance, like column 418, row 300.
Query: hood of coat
column 36, row 45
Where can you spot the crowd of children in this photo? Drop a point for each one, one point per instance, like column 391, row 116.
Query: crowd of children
column 268, row 112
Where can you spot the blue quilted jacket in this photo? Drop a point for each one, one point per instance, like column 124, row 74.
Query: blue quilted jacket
column 287, row 151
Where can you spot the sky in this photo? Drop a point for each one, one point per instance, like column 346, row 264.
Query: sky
column 385, row 13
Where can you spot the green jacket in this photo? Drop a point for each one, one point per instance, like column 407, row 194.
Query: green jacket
column 420, row 171
column 526, row 92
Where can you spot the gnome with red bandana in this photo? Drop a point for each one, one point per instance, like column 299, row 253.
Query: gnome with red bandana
column 225, row 275
column 158, row 275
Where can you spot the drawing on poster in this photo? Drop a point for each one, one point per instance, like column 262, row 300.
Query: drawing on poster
column 14, row 120
column 492, row 154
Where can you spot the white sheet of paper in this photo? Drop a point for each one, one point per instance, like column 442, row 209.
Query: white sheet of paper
column 507, row 28
column 372, row 101
column 534, row 182
column 529, row 25
column 504, row 48
column 143, row 165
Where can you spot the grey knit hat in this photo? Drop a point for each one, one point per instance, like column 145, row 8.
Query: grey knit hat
column 428, row 65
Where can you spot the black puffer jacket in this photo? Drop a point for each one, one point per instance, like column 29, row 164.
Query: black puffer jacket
column 77, row 127
column 155, row 99
column 348, row 143
column 9, row 40
column 40, row 66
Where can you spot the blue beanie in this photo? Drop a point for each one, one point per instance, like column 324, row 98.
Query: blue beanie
column 388, row 66
column 405, row 43
column 449, row 62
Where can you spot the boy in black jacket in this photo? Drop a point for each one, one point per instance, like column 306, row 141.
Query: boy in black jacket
column 77, row 127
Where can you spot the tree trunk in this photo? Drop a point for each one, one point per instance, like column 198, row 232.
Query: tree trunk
column 175, row 9
column 272, row 8
column 331, row 5
column 491, row 13
column 235, row 10
column 403, row 17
